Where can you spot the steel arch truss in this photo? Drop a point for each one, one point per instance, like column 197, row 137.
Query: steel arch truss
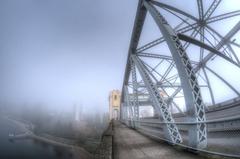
column 176, row 75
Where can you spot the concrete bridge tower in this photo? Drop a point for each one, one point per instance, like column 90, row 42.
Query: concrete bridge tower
column 114, row 104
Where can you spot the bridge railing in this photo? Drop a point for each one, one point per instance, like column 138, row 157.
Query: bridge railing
column 223, row 135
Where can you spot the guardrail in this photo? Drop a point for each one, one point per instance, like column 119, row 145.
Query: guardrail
column 223, row 135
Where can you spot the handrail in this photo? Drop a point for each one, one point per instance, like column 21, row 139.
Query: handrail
column 189, row 123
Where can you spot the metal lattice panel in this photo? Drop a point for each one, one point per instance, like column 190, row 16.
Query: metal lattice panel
column 170, row 72
column 158, row 102
column 187, row 75
column 129, row 106
column 135, row 92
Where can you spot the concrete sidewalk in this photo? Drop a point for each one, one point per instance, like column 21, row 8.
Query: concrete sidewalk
column 130, row 144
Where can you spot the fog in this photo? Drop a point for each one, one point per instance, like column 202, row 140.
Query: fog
column 59, row 59
column 60, row 53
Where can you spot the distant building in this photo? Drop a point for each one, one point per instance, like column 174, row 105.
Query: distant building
column 77, row 112
column 114, row 104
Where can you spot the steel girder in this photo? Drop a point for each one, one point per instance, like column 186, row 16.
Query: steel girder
column 193, row 99
column 190, row 87
column 208, row 19
column 227, row 43
column 224, row 41
column 129, row 106
column 158, row 103
column 160, row 84
column 160, row 40
column 229, row 85
column 223, row 16
column 137, row 29
column 191, row 26
column 207, row 47
column 174, row 9
column 123, row 112
column 164, row 57
column 200, row 9
column 211, row 9
column 135, row 95
column 138, row 24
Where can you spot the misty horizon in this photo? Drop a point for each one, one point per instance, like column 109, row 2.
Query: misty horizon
column 61, row 53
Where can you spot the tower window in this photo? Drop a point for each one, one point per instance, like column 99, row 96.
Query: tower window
column 115, row 97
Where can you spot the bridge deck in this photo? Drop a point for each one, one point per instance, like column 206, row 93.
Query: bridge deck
column 131, row 144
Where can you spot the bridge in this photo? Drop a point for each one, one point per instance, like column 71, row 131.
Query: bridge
column 178, row 82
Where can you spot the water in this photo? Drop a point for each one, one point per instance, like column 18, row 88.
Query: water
column 26, row 148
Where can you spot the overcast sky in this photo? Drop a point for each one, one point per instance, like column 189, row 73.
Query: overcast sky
column 65, row 52
column 62, row 52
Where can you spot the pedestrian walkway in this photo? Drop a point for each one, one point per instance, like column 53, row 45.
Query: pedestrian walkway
column 130, row 144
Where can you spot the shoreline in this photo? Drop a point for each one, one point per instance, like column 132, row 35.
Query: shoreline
column 78, row 152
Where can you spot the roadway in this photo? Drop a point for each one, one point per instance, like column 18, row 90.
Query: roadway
column 129, row 143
